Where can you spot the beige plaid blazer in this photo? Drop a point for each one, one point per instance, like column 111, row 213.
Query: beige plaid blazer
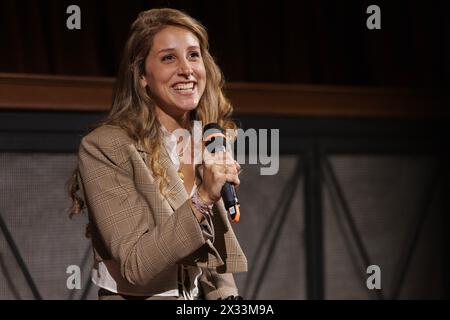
column 144, row 234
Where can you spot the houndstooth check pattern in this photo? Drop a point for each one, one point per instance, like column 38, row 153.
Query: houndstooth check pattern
column 147, row 234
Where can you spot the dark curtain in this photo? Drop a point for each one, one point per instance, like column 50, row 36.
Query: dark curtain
column 311, row 41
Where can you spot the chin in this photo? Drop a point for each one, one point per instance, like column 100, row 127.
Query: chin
column 187, row 106
column 186, row 109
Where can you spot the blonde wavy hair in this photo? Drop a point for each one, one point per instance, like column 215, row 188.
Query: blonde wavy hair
column 132, row 108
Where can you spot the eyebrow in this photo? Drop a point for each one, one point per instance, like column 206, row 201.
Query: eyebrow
column 172, row 49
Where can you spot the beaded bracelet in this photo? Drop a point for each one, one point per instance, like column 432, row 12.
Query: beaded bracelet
column 199, row 204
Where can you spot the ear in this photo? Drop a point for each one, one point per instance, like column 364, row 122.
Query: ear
column 143, row 81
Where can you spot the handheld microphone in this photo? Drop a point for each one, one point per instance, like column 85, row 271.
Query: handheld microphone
column 215, row 140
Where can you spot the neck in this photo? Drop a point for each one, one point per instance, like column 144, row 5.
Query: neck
column 170, row 122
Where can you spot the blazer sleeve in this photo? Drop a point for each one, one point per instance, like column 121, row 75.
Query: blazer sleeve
column 217, row 285
column 124, row 219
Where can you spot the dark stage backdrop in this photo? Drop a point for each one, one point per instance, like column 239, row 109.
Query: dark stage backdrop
column 319, row 42
column 350, row 192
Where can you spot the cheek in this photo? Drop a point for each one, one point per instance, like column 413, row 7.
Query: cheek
column 159, row 77
column 202, row 76
column 203, row 72
column 163, row 77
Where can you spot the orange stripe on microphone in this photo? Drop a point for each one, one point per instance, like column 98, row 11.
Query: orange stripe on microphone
column 213, row 135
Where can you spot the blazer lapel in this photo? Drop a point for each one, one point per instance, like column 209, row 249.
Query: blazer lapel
column 176, row 193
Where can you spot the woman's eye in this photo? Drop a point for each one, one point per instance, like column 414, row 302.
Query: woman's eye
column 194, row 54
column 167, row 57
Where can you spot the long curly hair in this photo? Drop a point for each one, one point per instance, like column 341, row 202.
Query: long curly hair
column 133, row 110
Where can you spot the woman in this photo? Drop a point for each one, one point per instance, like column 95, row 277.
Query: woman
column 158, row 227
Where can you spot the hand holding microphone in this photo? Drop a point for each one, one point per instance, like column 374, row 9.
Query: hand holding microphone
column 215, row 174
column 220, row 172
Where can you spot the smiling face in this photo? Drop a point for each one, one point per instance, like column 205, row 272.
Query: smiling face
column 174, row 71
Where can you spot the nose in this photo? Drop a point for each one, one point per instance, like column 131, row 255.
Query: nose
column 185, row 69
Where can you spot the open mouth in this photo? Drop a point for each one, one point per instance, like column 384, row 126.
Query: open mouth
column 184, row 87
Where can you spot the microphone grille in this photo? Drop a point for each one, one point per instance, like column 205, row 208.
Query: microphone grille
column 213, row 128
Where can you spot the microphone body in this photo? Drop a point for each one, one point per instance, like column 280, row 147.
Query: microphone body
column 215, row 140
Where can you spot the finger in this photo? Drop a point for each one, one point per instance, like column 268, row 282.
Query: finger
column 224, row 169
column 234, row 179
column 238, row 166
column 219, row 168
column 214, row 158
column 208, row 158
column 221, row 158
column 231, row 169
column 229, row 159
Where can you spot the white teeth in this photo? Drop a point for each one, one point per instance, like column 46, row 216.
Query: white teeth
column 184, row 86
